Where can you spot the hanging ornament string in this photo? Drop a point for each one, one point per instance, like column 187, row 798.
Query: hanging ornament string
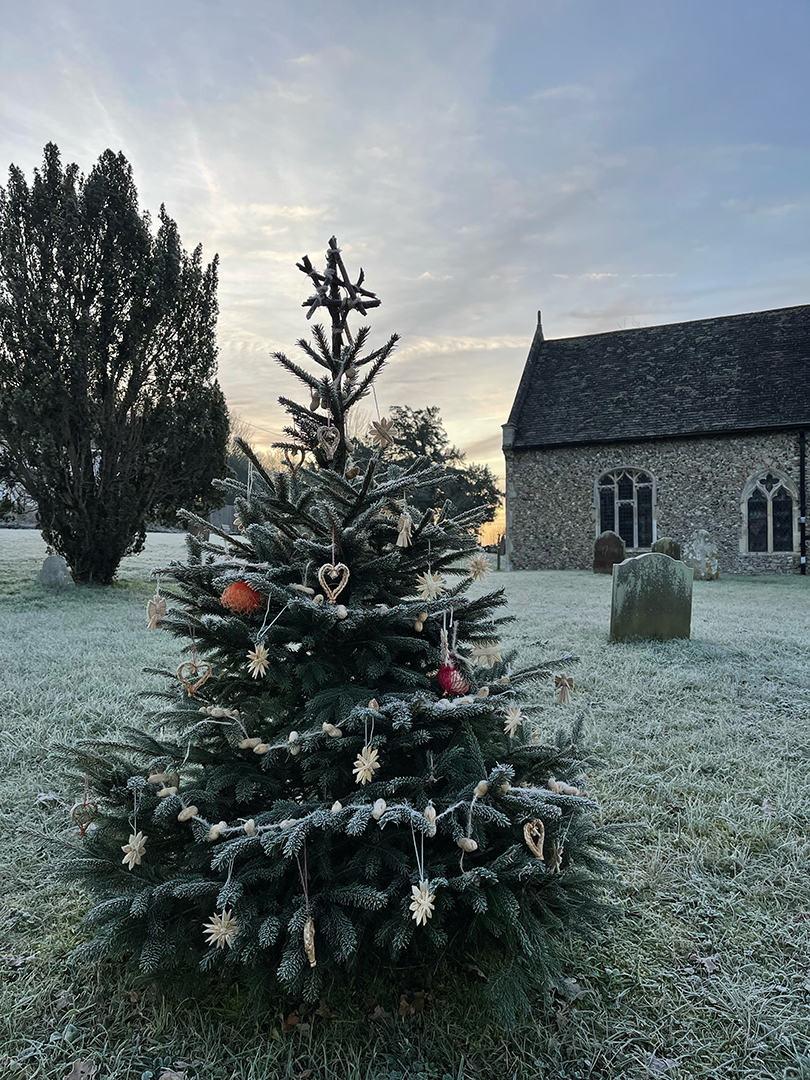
column 304, row 876
column 309, row 925
column 228, row 878
column 136, row 798
column 420, row 858
column 367, row 737
column 265, row 624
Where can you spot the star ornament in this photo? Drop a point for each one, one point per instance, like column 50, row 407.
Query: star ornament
column 382, row 432
column 221, row 930
column 514, row 718
column 479, row 566
column 422, row 903
column 134, row 850
column 259, row 661
column 487, row 654
column 366, row 765
column 430, row 586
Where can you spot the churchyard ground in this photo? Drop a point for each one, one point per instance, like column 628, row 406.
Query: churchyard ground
column 705, row 751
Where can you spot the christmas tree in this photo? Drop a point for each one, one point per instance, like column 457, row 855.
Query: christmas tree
column 340, row 775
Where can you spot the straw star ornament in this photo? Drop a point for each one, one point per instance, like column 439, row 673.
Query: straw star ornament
column 479, row 566
column 514, row 718
column 134, row 850
column 422, row 903
column 259, row 661
column 221, row 930
column 430, row 586
column 487, row 654
column 366, row 765
column 382, row 432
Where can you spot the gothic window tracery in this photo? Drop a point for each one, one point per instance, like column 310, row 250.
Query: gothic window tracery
column 770, row 510
column 626, row 505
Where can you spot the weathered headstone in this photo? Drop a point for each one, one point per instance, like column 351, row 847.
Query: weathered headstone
column 54, row 572
column 667, row 546
column 701, row 554
column 608, row 549
column 652, row 598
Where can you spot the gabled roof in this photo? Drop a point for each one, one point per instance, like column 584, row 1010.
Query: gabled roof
column 736, row 373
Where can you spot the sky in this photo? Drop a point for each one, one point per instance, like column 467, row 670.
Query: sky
column 613, row 164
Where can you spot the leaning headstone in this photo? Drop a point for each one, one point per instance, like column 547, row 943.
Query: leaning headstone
column 652, row 598
column 608, row 549
column 54, row 572
column 701, row 554
column 667, row 546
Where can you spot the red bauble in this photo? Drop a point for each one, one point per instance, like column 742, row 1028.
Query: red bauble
column 451, row 680
column 241, row 598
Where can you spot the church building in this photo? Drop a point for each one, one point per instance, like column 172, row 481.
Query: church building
column 661, row 431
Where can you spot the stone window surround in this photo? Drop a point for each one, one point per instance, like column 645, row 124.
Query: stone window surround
column 792, row 490
column 597, row 504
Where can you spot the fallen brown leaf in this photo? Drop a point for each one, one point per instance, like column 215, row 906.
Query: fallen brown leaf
column 412, row 1003
column 381, row 1014
column 289, row 1022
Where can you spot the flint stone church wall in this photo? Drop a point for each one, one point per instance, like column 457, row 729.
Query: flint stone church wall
column 551, row 516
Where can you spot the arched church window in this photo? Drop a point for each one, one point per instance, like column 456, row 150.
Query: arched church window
column 626, row 505
column 770, row 510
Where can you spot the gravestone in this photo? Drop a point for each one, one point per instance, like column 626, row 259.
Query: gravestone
column 667, row 546
column 652, row 598
column 54, row 572
column 608, row 549
column 701, row 554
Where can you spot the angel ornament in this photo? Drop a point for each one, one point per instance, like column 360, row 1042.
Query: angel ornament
column 563, row 684
column 156, row 608
column 405, row 526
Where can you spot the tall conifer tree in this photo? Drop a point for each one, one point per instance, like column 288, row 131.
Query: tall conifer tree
column 110, row 413
column 341, row 774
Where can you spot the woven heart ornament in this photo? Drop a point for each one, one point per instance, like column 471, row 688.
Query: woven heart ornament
column 83, row 814
column 339, row 574
column 192, row 675
column 329, row 438
column 534, row 833
column 290, row 456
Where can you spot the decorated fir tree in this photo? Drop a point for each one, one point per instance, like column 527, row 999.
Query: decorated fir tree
column 341, row 775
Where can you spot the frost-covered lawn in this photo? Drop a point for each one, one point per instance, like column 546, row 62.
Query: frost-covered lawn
column 706, row 750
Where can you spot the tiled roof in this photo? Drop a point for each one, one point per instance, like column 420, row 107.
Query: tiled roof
column 736, row 373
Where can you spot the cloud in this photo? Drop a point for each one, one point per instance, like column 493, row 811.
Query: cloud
column 588, row 277
column 565, row 92
column 755, row 207
column 441, row 346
